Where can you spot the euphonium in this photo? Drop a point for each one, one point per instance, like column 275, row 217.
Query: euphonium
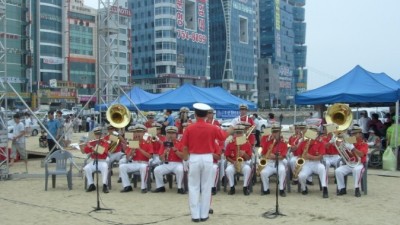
column 239, row 160
column 118, row 115
column 300, row 161
column 351, row 159
column 264, row 159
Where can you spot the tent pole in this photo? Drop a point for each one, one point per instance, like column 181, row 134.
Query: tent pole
column 396, row 131
column 295, row 114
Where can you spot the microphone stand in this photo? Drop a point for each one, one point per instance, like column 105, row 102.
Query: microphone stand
column 96, row 160
column 273, row 214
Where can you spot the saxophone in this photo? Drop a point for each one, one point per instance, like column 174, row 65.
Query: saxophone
column 300, row 161
column 239, row 160
column 264, row 159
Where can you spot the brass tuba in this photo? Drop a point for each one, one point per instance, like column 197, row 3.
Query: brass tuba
column 118, row 115
column 341, row 115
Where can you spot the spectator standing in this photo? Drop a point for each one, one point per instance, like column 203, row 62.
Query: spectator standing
column 18, row 142
column 28, row 124
column 363, row 122
column 67, row 131
column 258, row 128
column 53, row 126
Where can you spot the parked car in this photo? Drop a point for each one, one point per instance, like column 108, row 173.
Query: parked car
column 227, row 123
column 35, row 128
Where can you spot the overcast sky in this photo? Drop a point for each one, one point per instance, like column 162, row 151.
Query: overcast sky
column 344, row 33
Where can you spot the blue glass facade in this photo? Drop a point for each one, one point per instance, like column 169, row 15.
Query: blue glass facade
column 232, row 46
column 169, row 43
column 282, row 38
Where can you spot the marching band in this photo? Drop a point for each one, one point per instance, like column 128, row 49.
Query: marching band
column 192, row 145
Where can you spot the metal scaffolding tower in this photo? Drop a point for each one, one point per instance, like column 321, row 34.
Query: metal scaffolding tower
column 4, row 167
column 108, row 51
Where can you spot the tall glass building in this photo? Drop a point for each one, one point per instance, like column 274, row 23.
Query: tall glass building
column 233, row 47
column 282, row 38
column 81, row 49
column 169, row 43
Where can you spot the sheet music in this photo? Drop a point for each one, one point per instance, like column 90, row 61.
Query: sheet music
column 267, row 131
column 241, row 140
column 311, row 134
column 133, row 144
column 99, row 149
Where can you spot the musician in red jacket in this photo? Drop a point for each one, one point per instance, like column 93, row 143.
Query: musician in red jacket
column 140, row 158
column 312, row 151
column 171, row 154
column 358, row 150
column 232, row 152
column 100, row 146
column 269, row 152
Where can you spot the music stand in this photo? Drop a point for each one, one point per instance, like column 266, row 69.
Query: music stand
column 273, row 214
column 96, row 161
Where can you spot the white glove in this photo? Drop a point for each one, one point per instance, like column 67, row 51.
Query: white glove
column 333, row 139
column 371, row 143
column 349, row 146
column 115, row 133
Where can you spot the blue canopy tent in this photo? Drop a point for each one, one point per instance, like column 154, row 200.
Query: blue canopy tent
column 357, row 87
column 137, row 95
column 187, row 95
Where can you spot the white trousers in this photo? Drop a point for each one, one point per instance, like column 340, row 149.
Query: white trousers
column 215, row 174
column 155, row 160
column 124, row 169
column 246, row 171
column 331, row 160
column 114, row 157
column 200, row 180
column 171, row 167
column 90, row 168
column 308, row 169
column 269, row 170
column 345, row 170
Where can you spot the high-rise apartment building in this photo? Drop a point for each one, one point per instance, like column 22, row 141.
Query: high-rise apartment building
column 81, row 49
column 169, row 43
column 15, row 51
column 282, row 38
column 233, row 47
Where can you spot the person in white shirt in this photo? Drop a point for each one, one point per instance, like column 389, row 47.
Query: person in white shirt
column 363, row 122
column 28, row 124
column 18, row 142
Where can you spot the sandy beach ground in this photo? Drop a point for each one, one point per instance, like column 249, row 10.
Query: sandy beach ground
column 24, row 201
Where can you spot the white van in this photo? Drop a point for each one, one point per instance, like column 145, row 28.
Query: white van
column 381, row 111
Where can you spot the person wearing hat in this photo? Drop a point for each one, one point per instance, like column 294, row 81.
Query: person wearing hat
column 360, row 150
column 171, row 154
column 140, row 159
column 115, row 153
column 331, row 156
column 183, row 118
column 210, row 118
column 150, row 119
column 270, row 150
column 157, row 143
column 294, row 142
column 374, row 141
column 231, row 154
column 92, row 147
column 243, row 118
column 198, row 140
column 312, row 151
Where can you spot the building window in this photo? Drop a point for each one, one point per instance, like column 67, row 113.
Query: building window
column 190, row 14
column 243, row 29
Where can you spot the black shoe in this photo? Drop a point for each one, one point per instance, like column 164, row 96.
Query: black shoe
column 158, row 190
column 325, row 193
column 246, row 191
column 267, row 192
column 119, row 180
column 92, row 187
column 309, row 183
column 282, row 193
column 232, row 191
column 126, row 189
column 196, row 220
column 204, row 219
column 342, row 191
column 105, row 188
column 305, row 192
column 144, row 191
column 214, row 191
column 181, row 191
column 357, row 193
column 211, row 211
